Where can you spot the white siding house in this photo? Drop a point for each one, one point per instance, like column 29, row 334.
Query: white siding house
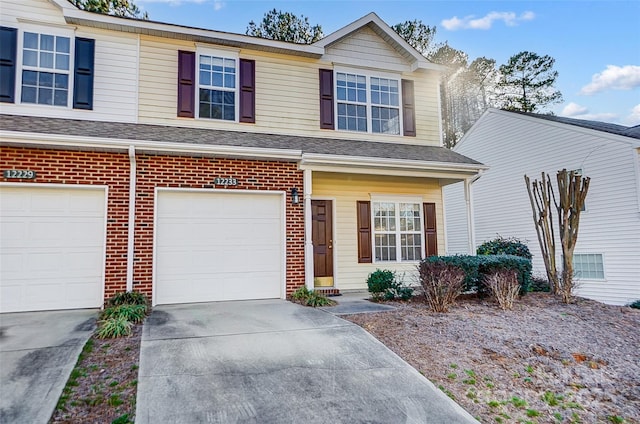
column 607, row 255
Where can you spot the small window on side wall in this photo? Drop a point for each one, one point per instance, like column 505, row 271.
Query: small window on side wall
column 588, row 266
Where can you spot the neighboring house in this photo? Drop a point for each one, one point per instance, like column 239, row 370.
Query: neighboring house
column 607, row 255
column 196, row 165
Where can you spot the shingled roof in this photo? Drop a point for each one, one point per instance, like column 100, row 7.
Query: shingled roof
column 633, row 132
column 200, row 136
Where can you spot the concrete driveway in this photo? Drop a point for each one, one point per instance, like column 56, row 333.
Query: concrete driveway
column 38, row 350
column 273, row 361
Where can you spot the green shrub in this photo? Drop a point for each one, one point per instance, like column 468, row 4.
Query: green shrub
column 316, row 299
column 539, row 284
column 128, row 298
column 441, row 282
column 635, row 305
column 301, row 294
column 504, row 246
column 384, row 284
column 111, row 328
column 307, row 297
column 379, row 281
column 133, row 313
column 475, row 269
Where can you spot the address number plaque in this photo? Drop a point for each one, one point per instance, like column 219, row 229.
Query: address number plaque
column 226, row 181
column 24, row 174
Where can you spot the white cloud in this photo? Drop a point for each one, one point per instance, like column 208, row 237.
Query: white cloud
column 614, row 78
column 634, row 117
column 217, row 5
column 573, row 109
column 485, row 22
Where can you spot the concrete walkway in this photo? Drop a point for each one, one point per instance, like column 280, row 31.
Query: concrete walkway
column 356, row 302
column 38, row 351
column 273, row 361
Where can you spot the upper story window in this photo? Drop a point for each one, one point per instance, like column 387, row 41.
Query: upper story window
column 46, row 61
column 367, row 103
column 217, row 83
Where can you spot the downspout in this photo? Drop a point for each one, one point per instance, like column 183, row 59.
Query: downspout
column 308, row 241
column 132, row 217
column 470, row 220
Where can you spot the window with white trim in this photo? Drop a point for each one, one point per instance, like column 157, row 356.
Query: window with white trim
column 367, row 103
column 217, row 86
column 46, row 64
column 397, row 231
column 588, row 266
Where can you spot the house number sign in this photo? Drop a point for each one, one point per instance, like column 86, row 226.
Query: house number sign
column 25, row 174
column 226, row 181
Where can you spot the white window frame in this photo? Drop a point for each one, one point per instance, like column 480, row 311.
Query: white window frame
column 225, row 54
column 397, row 200
column 368, row 74
column 47, row 30
column 604, row 271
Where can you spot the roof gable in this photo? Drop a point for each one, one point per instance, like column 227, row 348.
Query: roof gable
column 620, row 133
column 385, row 33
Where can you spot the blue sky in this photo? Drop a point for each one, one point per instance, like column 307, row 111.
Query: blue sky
column 596, row 44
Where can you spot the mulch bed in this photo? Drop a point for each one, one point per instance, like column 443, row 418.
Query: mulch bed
column 542, row 362
column 102, row 388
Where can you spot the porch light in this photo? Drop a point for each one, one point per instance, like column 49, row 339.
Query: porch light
column 295, row 199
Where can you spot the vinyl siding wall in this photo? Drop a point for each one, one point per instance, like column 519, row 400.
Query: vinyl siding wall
column 513, row 146
column 345, row 190
column 115, row 73
column 287, row 94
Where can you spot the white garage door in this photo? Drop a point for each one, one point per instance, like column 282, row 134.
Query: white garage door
column 52, row 248
column 214, row 246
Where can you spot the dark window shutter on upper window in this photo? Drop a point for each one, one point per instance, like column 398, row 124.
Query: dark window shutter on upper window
column 326, row 99
column 364, row 232
column 186, row 84
column 408, row 109
column 84, row 59
column 8, row 47
column 430, row 229
column 247, row 91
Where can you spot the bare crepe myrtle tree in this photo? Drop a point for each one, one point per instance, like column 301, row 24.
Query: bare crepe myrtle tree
column 572, row 192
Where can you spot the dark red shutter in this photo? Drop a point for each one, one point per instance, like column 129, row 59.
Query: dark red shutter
column 408, row 109
column 8, row 48
column 326, row 99
column 84, row 59
column 186, row 84
column 247, row 91
column 364, row 232
column 430, row 230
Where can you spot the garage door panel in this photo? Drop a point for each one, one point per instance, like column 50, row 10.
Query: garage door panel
column 222, row 246
column 52, row 254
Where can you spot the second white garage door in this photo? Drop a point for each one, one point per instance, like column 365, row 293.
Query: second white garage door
column 214, row 246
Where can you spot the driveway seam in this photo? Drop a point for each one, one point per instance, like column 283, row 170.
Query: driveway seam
column 347, row 324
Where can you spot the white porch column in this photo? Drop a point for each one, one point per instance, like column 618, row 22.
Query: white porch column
column 308, row 241
column 468, row 197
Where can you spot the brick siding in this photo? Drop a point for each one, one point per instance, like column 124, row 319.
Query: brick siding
column 112, row 170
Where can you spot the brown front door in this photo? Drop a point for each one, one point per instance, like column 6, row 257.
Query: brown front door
column 322, row 237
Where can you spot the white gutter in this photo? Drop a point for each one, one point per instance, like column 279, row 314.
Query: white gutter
column 308, row 237
column 322, row 159
column 470, row 219
column 132, row 217
column 169, row 147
